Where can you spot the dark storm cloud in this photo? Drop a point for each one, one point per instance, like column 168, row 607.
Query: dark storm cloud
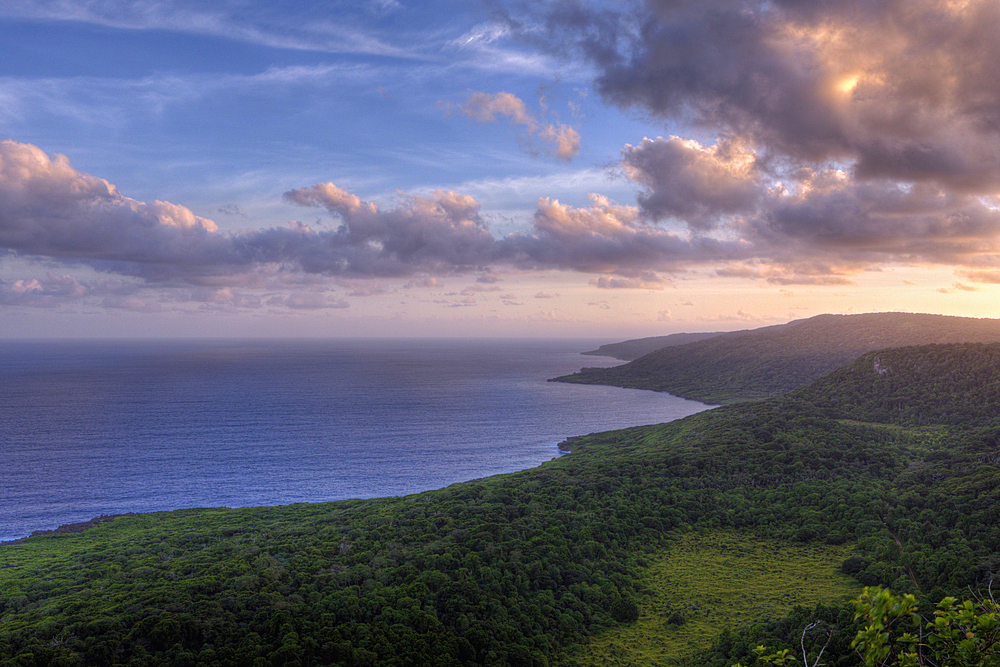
column 903, row 89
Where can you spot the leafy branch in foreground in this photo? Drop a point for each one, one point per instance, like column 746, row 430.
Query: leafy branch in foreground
column 960, row 634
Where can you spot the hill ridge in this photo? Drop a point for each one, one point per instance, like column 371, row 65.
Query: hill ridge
column 951, row 384
column 767, row 362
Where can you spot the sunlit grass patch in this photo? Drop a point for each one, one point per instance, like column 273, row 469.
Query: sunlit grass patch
column 710, row 581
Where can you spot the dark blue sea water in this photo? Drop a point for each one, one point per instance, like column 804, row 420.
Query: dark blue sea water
column 90, row 428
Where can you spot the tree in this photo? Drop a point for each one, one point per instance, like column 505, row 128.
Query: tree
column 960, row 634
column 781, row 657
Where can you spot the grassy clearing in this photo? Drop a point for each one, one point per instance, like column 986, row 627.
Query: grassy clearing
column 717, row 580
column 932, row 431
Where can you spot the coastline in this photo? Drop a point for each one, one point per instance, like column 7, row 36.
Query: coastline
column 388, row 437
column 69, row 528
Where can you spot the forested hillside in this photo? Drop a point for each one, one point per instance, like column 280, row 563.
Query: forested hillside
column 913, row 386
column 633, row 349
column 524, row 569
column 767, row 362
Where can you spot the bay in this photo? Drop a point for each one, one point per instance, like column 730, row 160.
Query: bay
column 103, row 427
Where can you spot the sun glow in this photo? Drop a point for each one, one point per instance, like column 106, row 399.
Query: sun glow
column 847, row 84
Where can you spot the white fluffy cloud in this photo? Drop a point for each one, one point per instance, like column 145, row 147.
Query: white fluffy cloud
column 440, row 233
column 49, row 209
column 556, row 139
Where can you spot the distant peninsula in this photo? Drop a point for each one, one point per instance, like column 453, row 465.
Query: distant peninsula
column 747, row 365
column 633, row 349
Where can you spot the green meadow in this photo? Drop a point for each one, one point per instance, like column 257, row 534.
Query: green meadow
column 713, row 580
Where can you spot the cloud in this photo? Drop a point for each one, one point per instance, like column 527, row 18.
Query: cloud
column 485, row 108
column 828, row 214
column 386, row 6
column 365, row 288
column 692, row 182
column 132, row 303
column 726, row 212
column 845, row 136
column 991, row 277
column 54, row 290
column 49, row 209
column 441, row 233
column 423, row 281
column 304, row 30
column 606, row 238
column 792, row 217
column 959, row 287
column 478, row 289
column 116, row 103
column 646, row 281
column 444, row 233
column 483, row 33
column 901, row 89
column 490, row 50
column 307, row 301
column 793, row 273
column 232, row 209
column 557, row 139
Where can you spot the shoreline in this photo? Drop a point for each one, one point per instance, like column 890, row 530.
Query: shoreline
column 81, row 526
column 69, row 528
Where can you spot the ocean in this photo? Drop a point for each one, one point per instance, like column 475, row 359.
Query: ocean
column 106, row 427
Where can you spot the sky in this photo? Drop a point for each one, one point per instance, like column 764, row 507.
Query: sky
column 569, row 168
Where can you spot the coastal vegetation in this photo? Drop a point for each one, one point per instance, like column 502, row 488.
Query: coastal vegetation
column 691, row 543
column 768, row 362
